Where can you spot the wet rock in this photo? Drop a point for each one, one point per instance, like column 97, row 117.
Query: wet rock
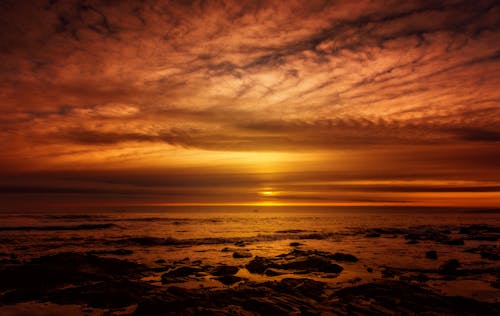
column 313, row 263
column 388, row 272
column 431, row 254
column 291, row 231
column 402, row 298
column 303, row 286
column 228, row 279
column 46, row 277
column 338, row 256
column 182, row 261
column 111, row 294
column 258, row 265
column 242, row 254
column 272, row 272
column 265, row 306
column 182, row 271
column 117, row 252
column 453, row 242
column 224, row 270
column 489, row 255
column 449, row 267
column 488, row 252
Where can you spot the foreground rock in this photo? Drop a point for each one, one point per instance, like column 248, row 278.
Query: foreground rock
column 302, row 296
column 300, row 261
column 400, row 298
column 71, row 278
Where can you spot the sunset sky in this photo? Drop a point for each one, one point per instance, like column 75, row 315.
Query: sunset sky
column 118, row 103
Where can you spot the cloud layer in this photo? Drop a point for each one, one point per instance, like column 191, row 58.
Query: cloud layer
column 135, row 85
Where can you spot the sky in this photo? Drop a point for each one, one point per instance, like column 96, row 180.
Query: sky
column 114, row 103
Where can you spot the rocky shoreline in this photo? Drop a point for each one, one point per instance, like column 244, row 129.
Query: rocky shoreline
column 298, row 282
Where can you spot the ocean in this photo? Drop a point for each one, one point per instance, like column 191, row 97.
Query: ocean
column 383, row 239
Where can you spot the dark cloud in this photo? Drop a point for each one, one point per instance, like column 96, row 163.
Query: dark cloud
column 409, row 89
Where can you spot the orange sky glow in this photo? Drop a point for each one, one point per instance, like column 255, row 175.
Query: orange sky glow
column 261, row 103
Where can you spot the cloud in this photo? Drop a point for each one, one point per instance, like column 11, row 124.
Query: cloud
column 116, row 83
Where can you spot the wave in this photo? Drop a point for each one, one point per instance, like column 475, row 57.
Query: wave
column 170, row 241
column 57, row 227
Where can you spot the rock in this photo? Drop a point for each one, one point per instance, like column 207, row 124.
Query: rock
column 295, row 244
column 224, row 270
column 68, row 278
column 412, row 242
column 454, row 242
column 240, row 244
column 228, row 279
column 369, row 270
column 182, row 271
column 307, row 287
column 339, row 256
column 116, row 252
column 265, row 306
column 402, row 298
column 160, row 261
column 271, row 272
column 489, row 255
column 242, row 254
column 431, row 254
column 258, row 265
column 372, row 235
column 449, row 267
column 313, row 263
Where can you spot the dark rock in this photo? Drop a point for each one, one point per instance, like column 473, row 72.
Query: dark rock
column 313, row 263
column 240, row 244
column 489, row 255
column 271, row 272
column 369, row 270
column 242, row 254
column 160, row 261
column 224, row 270
column 402, row 298
column 449, row 267
column 338, row 256
column 388, row 272
column 117, row 252
column 412, row 242
column 453, row 242
column 306, row 287
column 182, row 271
column 372, row 235
column 295, row 244
column 431, row 254
column 265, row 306
column 258, row 265
column 45, row 277
column 228, row 279
column 110, row 294
column 291, row 231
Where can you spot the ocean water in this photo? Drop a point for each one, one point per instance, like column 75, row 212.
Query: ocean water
column 212, row 234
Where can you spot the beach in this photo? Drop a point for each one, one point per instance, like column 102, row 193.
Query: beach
column 251, row 261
